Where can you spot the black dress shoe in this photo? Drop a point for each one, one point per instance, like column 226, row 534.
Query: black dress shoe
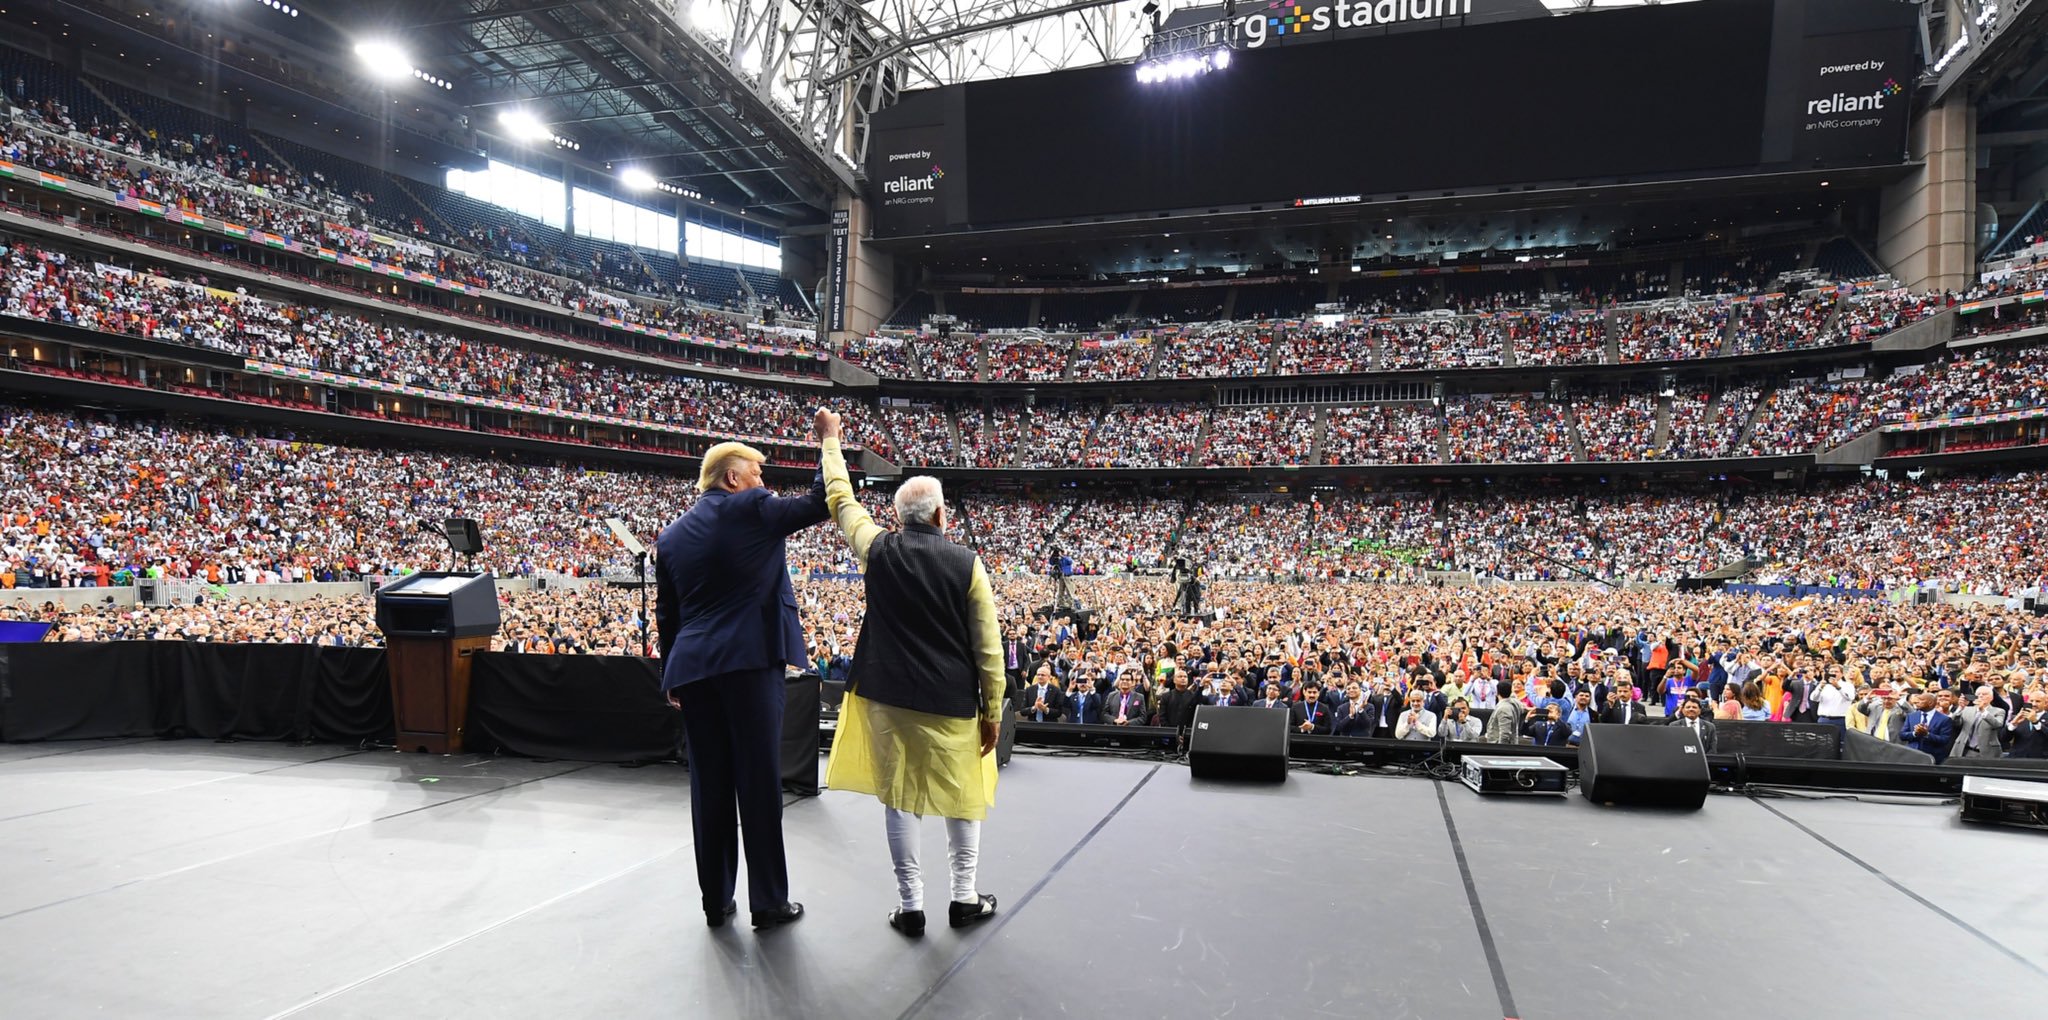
column 717, row 918
column 788, row 913
column 963, row 914
column 909, row 922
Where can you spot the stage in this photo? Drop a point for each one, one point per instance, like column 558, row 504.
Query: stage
column 199, row 879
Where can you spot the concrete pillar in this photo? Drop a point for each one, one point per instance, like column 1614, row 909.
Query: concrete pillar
column 1927, row 221
column 870, row 273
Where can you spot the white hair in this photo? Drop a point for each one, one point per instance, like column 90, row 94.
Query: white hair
column 918, row 500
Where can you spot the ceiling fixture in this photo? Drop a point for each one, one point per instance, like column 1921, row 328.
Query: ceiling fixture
column 1183, row 65
column 637, row 179
column 383, row 59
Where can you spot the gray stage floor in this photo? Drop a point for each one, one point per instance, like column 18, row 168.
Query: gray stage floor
column 191, row 879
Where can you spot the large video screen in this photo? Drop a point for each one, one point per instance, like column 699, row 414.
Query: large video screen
column 1720, row 87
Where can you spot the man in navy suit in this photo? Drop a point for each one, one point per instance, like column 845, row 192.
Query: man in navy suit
column 728, row 624
column 1084, row 705
column 1928, row 730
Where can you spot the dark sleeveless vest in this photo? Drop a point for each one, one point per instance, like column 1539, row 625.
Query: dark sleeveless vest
column 916, row 646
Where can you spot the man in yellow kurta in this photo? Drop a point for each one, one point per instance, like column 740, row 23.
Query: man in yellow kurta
column 918, row 725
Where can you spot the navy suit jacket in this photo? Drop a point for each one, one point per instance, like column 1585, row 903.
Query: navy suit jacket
column 1084, row 708
column 723, row 602
column 1941, row 732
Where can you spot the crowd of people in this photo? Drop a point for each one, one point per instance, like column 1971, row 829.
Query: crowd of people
column 54, row 286
column 1252, row 436
column 89, row 500
column 1484, row 429
column 1359, row 657
column 1375, row 338
column 1113, row 359
column 1704, row 426
column 1409, row 433
column 1423, row 663
column 1560, row 338
column 1673, row 331
column 1623, row 427
column 206, row 176
column 1028, row 360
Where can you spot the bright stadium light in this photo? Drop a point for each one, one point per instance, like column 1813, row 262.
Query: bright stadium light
column 1222, row 59
column 637, row 179
column 523, row 125
column 383, row 59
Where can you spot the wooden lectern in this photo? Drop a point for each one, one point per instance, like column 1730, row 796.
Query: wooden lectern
column 432, row 623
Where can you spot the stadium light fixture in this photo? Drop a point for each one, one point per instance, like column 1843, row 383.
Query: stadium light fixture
column 1221, row 60
column 637, row 179
column 383, row 59
column 750, row 61
column 524, row 126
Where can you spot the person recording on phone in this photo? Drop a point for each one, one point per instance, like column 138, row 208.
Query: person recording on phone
column 1084, row 705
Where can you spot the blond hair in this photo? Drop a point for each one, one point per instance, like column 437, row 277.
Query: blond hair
column 722, row 458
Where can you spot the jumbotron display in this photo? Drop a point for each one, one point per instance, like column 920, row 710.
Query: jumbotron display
column 1723, row 88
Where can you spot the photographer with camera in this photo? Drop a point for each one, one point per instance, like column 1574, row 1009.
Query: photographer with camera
column 1458, row 723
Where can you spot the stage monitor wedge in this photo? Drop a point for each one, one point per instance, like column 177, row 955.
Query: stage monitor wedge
column 1239, row 743
column 1643, row 766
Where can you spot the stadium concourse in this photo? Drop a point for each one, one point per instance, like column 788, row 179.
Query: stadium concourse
column 1724, row 423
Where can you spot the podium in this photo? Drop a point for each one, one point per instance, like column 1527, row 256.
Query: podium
column 433, row 622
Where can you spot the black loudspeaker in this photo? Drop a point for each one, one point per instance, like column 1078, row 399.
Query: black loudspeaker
column 1238, row 743
column 1658, row 766
column 1006, row 735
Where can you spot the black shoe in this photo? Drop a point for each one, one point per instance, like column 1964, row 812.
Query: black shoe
column 717, row 918
column 963, row 914
column 788, row 913
column 909, row 922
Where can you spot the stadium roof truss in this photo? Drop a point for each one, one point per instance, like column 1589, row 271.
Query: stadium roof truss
column 774, row 96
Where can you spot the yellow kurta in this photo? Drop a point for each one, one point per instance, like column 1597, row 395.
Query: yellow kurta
column 914, row 761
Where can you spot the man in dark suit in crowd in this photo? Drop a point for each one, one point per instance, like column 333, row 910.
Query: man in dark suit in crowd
column 1927, row 729
column 1546, row 728
column 1084, row 705
column 1220, row 690
column 728, row 626
column 1690, row 717
column 1018, row 664
column 1042, row 699
column 1622, row 708
column 2029, row 728
column 1386, row 705
column 1272, row 698
column 1127, row 707
column 1177, row 706
column 1310, row 715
